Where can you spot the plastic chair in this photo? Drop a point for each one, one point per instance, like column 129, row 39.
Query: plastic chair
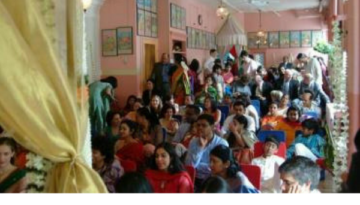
column 224, row 113
column 253, row 173
column 258, row 150
column 128, row 165
column 192, row 172
column 256, row 104
column 280, row 135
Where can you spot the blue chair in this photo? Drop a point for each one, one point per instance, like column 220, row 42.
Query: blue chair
column 224, row 113
column 280, row 135
column 256, row 104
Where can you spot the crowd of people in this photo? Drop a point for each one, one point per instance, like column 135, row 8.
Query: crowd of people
column 176, row 138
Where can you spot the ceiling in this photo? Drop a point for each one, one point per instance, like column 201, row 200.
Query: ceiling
column 247, row 6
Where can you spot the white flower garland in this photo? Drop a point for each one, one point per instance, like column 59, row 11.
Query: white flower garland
column 341, row 122
column 37, row 168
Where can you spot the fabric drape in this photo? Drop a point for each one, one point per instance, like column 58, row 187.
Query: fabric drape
column 38, row 101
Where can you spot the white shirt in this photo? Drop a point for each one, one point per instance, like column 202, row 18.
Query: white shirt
column 229, row 119
column 270, row 183
column 251, row 68
column 252, row 109
column 313, row 67
column 209, row 64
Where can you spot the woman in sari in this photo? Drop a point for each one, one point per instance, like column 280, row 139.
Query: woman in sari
column 101, row 95
column 180, row 81
column 167, row 174
column 112, row 132
column 269, row 121
column 127, row 147
column 290, row 124
column 12, row 179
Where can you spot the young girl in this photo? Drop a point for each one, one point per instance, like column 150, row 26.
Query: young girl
column 210, row 107
column 220, row 84
column 272, row 118
column 208, row 90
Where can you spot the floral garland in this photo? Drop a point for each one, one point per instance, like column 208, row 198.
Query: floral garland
column 37, row 168
column 341, row 122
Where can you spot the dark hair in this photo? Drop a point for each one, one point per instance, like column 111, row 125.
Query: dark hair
column 310, row 92
column 300, row 56
column 216, row 67
column 241, row 119
column 212, row 78
column 357, row 140
column 194, row 108
column 244, row 79
column 112, row 80
column 217, row 62
column 244, row 54
column 293, row 108
column 273, row 103
column 1, row 130
column 227, row 65
column 273, row 139
column 104, row 146
column 251, row 56
column 145, row 112
column 212, row 51
column 179, row 58
column 131, row 124
column 209, row 118
column 246, row 100
column 194, row 65
column 311, row 124
column 215, row 184
column 133, row 182
column 239, row 103
column 110, row 115
column 212, row 102
column 225, row 154
column 151, row 80
column 10, row 142
column 259, row 68
column 303, row 170
column 175, row 165
column 165, row 108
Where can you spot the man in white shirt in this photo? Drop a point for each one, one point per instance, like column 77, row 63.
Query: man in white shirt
column 312, row 66
column 250, row 66
column 269, row 163
column 238, row 108
column 209, row 63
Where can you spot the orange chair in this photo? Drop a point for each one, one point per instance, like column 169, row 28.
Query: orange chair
column 192, row 172
column 253, row 173
column 128, row 165
column 258, row 150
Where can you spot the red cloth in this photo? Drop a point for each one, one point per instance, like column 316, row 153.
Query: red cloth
column 133, row 152
column 235, row 67
column 163, row 182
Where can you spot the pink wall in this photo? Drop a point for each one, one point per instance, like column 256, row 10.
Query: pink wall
column 288, row 21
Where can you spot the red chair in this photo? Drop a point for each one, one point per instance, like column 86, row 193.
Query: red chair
column 258, row 150
column 192, row 172
column 253, row 173
column 128, row 165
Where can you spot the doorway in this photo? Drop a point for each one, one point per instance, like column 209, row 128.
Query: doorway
column 149, row 62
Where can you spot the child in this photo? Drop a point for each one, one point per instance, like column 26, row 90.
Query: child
column 208, row 90
column 308, row 144
column 220, row 84
column 268, row 163
column 228, row 78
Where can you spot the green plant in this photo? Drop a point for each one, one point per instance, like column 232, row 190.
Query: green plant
column 323, row 47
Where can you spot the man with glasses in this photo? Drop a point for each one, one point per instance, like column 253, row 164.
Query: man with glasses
column 198, row 154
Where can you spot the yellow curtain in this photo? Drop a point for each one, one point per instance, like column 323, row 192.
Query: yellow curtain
column 38, row 101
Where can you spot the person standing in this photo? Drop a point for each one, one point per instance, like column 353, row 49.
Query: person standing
column 210, row 62
column 312, row 66
column 162, row 73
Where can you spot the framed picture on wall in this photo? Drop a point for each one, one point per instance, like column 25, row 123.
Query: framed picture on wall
column 108, row 42
column 154, row 25
column 141, row 22
column 284, row 39
column 124, row 36
column 306, row 39
column 317, row 36
column 274, row 40
column 295, row 39
column 252, row 40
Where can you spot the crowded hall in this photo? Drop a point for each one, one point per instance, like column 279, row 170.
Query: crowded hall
column 179, row 96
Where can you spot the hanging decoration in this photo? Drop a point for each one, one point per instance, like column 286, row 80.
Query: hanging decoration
column 222, row 11
column 37, row 168
column 338, row 69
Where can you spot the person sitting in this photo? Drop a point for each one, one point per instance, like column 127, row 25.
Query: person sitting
column 250, row 110
column 241, row 87
column 167, row 174
column 223, row 164
column 283, row 105
column 288, row 85
column 113, row 120
column 261, row 91
column 129, row 104
column 155, row 106
column 151, row 130
column 215, row 184
column 227, row 101
column 208, row 90
column 104, row 163
column 210, row 107
column 268, row 162
column 198, row 154
column 307, row 104
column 12, row 179
column 133, row 182
column 220, row 84
column 228, row 78
column 190, row 135
column 271, row 119
column 167, row 121
column 189, row 100
column 132, row 115
column 286, row 64
column 299, row 175
column 191, row 115
column 308, row 144
column 276, row 96
column 238, row 108
column 290, row 124
column 127, row 147
column 149, row 92
column 171, row 101
column 309, row 84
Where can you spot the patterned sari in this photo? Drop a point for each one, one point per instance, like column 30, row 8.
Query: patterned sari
column 180, row 85
column 6, row 186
